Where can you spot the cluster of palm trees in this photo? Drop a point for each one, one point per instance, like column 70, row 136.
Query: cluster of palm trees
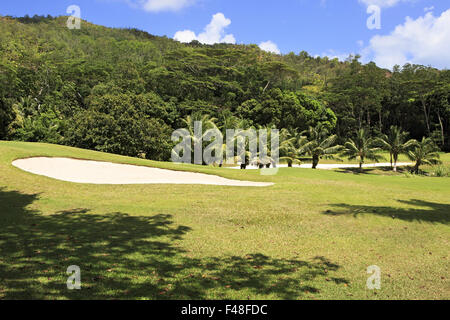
column 210, row 124
column 317, row 143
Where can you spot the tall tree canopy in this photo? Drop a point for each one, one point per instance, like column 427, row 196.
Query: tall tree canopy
column 124, row 90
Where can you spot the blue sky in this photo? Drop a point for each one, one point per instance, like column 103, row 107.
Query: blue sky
column 321, row 27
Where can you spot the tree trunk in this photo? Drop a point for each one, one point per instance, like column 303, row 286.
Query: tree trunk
column 395, row 162
column 381, row 120
column 267, row 85
column 442, row 128
column 361, row 164
column 427, row 121
column 359, row 121
column 315, row 162
column 416, row 167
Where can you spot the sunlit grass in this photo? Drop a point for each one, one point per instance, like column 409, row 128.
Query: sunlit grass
column 310, row 236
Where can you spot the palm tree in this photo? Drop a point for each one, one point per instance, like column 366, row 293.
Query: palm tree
column 246, row 153
column 28, row 106
column 222, row 133
column 290, row 144
column 361, row 148
column 320, row 145
column 395, row 142
column 268, row 157
column 207, row 123
column 290, row 154
column 240, row 126
column 425, row 152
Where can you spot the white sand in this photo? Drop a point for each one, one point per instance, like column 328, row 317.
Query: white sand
column 94, row 172
column 336, row 166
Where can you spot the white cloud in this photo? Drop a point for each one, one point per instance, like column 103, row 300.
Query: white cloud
column 425, row 40
column 426, row 9
column 162, row 5
column 269, row 46
column 383, row 3
column 332, row 54
column 185, row 36
column 214, row 32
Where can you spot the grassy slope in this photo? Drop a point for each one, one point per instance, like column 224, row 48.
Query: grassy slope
column 312, row 235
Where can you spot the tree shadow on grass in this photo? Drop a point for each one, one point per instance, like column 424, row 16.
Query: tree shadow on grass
column 130, row 257
column 376, row 170
column 428, row 211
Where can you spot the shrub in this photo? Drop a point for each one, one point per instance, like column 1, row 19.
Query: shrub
column 440, row 171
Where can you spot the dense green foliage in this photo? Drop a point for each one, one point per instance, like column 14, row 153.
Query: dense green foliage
column 124, row 90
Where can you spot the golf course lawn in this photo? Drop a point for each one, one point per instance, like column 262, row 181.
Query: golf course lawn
column 310, row 236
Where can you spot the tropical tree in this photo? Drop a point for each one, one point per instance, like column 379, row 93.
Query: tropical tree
column 425, row 152
column 395, row 142
column 206, row 122
column 290, row 144
column 271, row 156
column 320, row 145
column 242, row 134
column 222, row 133
column 361, row 148
column 439, row 99
column 6, row 117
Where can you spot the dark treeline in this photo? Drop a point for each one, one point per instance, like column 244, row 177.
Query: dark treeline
column 124, row 90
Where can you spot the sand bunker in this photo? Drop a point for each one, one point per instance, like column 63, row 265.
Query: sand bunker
column 94, row 172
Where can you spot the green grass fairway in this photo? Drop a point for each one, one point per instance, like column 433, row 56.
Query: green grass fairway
column 311, row 236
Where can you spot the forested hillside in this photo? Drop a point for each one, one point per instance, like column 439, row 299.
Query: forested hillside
column 124, row 90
